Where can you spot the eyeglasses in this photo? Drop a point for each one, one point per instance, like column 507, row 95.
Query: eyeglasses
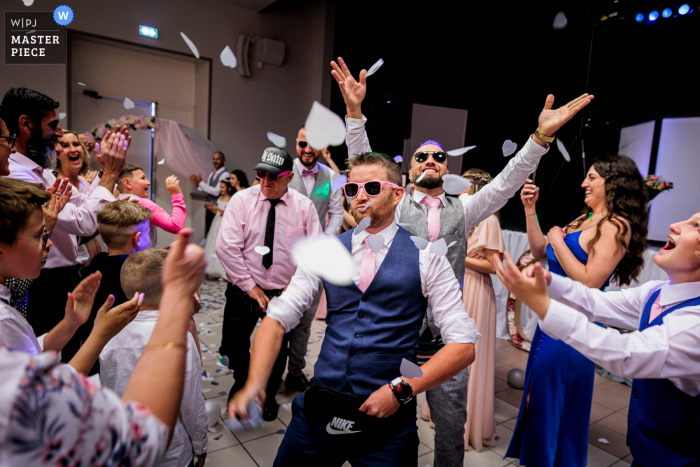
column 438, row 156
column 10, row 140
column 372, row 188
column 261, row 174
column 44, row 236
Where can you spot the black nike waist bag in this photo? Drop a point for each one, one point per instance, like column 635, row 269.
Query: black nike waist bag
column 338, row 413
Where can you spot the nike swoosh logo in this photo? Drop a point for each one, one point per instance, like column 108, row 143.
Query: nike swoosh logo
column 333, row 431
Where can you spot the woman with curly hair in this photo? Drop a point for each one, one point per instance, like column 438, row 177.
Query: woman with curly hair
column 606, row 242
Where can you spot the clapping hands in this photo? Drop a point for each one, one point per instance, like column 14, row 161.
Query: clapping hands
column 61, row 191
column 79, row 303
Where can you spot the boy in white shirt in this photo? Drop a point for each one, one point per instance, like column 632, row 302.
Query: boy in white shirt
column 142, row 271
column 663, row 355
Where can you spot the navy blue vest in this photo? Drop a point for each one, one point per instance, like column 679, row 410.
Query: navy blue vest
column 369, row 333
column 663, row 421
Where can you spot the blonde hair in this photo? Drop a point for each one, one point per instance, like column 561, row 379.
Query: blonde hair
column 119, row 220
column 479, row 178
column 393, row 170
column 142, row 273
column 86, row 155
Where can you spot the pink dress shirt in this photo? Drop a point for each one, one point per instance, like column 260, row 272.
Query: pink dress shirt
column 77, row 219
column 162, row 219
column 243, row 228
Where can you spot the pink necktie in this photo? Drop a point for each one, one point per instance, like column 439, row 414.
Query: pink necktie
column 433, row 217
column 369, row 263
column 656, row 309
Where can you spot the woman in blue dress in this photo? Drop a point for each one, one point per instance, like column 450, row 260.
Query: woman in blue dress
column 606, row 242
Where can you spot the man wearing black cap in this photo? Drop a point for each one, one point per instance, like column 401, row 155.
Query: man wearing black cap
column 258, row 230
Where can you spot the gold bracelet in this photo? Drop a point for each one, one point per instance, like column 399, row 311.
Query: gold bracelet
column 543, row 137
column 164, row 345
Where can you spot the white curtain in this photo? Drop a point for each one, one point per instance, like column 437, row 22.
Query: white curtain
column 185, row 151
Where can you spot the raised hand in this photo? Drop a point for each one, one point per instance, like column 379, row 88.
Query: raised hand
column 61, row 191
column 110, row 321
column 80, row 302
column 173, row 185
column 529, row 195
column 353, row 91
column 195, row 179
column 183, row 271
column 111, row 152
column 550, row 120
column 90, row 175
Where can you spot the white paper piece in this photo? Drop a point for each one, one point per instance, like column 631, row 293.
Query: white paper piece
column 364, row 223
column 255, row 189
column 262, row 250
column 324, row 128
column 420, row 178
column 420, row 243
column 451, row 243
column 368, row 205
column 326, row 257
column 61, row 115
column 161, row 162
column 563, row 151
column 227, row 57
column 128, row 103
column 410, row 370
column 509, row 148
column 439, row 247
column 81, row 84
column 213, row 255
column 277, row 140
column 338, row 180
column 560, row 21
column 375, row 242
column 374, row 68
column 460, row 151
column 254, row 419
column 28, row 2
column 603, row 440
column 454, row 184
column 398, row 159
column 206, row 390
column 206, row 376
column 190, row 44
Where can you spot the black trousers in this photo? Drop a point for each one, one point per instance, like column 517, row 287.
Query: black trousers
column 208, row 219
column 47, row 297
column 241, row 315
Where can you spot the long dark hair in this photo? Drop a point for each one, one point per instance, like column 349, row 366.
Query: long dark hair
column 242, row 179
column 229, row 187
column 625, row 199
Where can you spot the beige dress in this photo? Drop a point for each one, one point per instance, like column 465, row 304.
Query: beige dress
column 480, row 302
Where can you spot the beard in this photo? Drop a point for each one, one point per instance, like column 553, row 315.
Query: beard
column 379, row 215
column 429, row 183
column 42, row 151
column 312, row 163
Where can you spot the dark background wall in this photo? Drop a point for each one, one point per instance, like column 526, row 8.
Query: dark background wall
column 500, row 60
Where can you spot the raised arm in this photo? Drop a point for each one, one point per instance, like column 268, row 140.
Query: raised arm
column 494, row 196
column 170, row 223
column 538, row 243
column 353, row 93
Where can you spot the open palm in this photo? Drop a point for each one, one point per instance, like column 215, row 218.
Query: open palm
column 550, row 120
column 353, row 91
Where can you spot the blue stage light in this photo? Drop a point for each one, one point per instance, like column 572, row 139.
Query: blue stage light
column 666, row 12
column 654, row 15
column 639, row 18
column 148, row 31
column 684, row 9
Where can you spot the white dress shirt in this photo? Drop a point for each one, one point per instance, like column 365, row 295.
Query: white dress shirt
column 486, row 201
column 78, row 218
column 437, row 281
column 335, row 201
column 213, row 190
column 117, row 362
column 15, row 331
column 670, row 351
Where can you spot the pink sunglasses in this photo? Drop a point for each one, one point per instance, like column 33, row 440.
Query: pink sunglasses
column 372, row 188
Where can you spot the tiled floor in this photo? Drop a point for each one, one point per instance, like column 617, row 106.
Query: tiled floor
column 258, row 447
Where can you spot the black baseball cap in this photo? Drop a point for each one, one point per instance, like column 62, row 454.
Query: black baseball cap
column 275, row 161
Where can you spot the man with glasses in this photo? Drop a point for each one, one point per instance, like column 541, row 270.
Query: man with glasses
column 429, row 214
column 258, row 230
column 7, row 142
column 32, row 117
column 311, row 179
column 211, row 186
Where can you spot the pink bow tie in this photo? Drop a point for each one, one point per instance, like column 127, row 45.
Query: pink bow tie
column 307, row 173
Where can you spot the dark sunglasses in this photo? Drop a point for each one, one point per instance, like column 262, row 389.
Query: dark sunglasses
column 10, row 140
column 261, row 174
column 438, row 156
column 302, row 144
column 373, row 188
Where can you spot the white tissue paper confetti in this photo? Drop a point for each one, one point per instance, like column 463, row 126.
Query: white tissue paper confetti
column 563, row 151
column 454, row 184
column 374, row 68
column 61, row 115
column 325, row 257
column 368, row 205
column 128, row 103
column 375, row 242
column 161, row 162
column 28, row 2
column 338, row 180
column 81, row 84
column 410, row 370
column 460, row 151
column 277, row 140
column 227, row 57
column 262, row 250
column 206, row 390
column 420, row 178
column 364, row 223
column 190, row 44
column 439, row 247
column 324, row 128
column 509, row 148
column 560, row 21
column 603, row 440
column 398, row 159
column 420, row 243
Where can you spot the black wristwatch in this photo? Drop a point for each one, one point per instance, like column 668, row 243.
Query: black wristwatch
column 402, row 391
